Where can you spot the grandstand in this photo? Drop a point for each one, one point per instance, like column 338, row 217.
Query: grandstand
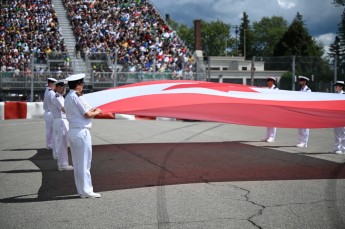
column 114, row 42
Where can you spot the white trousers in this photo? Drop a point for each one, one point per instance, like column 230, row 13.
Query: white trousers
column 48, row 118
column 60, row 128
column 271, row 132
column 303, row 136
column 81, row 150
column 339, row 139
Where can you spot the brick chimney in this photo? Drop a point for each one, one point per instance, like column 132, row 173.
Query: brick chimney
column 197, row 37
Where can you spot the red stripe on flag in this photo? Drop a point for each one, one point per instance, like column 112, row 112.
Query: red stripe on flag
column 105, row 116
column 15, row 110
column 142, row 117
column 283, row 114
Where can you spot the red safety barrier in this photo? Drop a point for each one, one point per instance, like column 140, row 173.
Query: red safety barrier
column 15, row 110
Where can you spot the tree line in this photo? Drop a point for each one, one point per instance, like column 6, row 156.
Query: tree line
column 274, row 41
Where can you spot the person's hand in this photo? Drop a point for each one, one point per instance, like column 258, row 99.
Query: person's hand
column 92, row 113
column 98, row 111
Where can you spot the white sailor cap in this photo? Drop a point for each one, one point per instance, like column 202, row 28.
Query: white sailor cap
column 75, row 77
column 339, row 83
column 272, row 78
column 51, row 80
column 60, row 83
column 303, row 78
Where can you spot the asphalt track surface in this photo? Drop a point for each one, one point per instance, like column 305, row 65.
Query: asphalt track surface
column 166, row 174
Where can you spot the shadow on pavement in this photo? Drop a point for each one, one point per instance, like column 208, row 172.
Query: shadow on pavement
column 126, row 166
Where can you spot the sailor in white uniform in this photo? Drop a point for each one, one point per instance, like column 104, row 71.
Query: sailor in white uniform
column 339, row 132
column 303, row 134
column 60, row 126
column 79, row 115
column 271, row 131
column 48, row 95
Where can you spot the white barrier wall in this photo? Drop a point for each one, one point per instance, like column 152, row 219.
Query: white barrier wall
column 2, row 112
column 35, row 110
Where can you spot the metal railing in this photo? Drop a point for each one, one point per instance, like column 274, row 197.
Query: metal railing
column 103, row 80
column 32, row 85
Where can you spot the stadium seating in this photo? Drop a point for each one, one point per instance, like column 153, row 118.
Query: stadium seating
column 27, row 27
column 132, row 28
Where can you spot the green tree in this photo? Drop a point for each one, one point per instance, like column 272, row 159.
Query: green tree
column 309, row 61
column 215, row 37
column 246, row 37
column 337, row 48
column 339, row 2
column 341, row 33
column 186, row 34
column 266, row 34
column 297, row 41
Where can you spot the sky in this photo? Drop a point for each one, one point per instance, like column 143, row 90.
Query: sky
column 321, row 17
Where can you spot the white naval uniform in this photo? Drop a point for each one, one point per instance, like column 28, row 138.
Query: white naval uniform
column 48, row 118
column 339, row 136
column 303, row 134
column 271, row 131
column 80, row 141
column 60, row 128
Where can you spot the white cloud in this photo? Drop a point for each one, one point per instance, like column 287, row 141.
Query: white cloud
column 320, row 17
column 286, row 4
column 326, row 40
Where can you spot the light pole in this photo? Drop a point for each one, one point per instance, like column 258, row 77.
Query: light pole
column 236, row 31
column 244, row 43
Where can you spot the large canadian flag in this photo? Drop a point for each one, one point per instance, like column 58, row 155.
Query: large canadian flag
column 228, row 103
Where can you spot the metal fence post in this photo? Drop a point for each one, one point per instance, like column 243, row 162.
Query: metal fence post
column 1, row 75
column 32, row 89
column 252, row 72
column 115, row 69
column 154, row 66
column 32, row 80
column 209, row 69
column 293, row 72
column 335, row 68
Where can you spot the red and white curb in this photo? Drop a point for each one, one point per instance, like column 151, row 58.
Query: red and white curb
column 21, row 110
column 28, row 110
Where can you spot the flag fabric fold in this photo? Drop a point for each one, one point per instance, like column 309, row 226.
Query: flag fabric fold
column 228, row 103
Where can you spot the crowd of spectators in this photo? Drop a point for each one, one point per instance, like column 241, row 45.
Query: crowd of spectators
column 132, row 28
column 28, row 28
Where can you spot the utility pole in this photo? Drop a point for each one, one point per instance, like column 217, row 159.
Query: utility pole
column 236, row 31
column 244, row 43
